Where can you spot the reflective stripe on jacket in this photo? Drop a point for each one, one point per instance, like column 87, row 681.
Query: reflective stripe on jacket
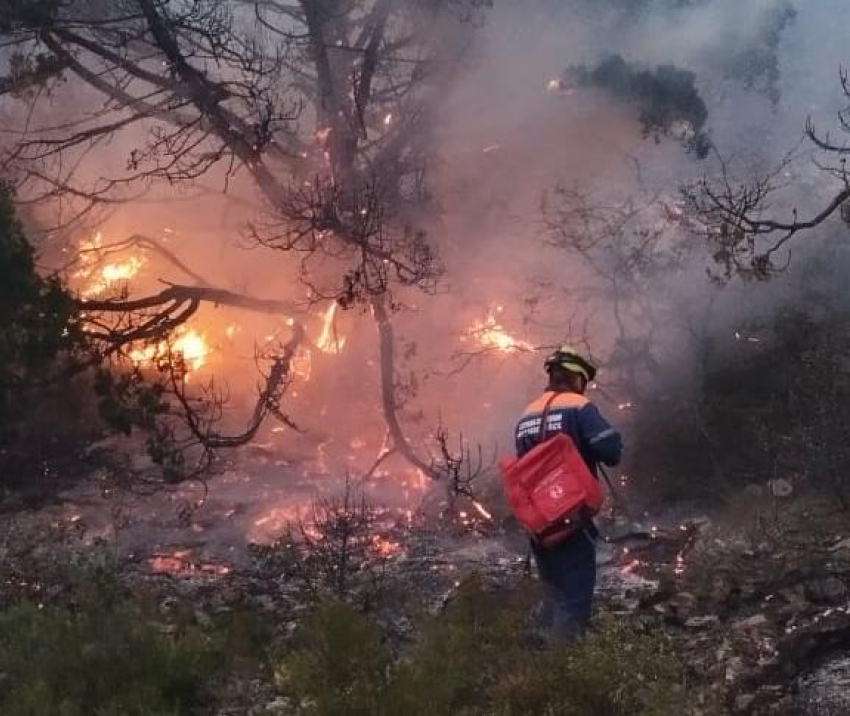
column 575, row 415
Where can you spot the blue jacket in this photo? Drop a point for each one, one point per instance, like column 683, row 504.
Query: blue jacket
column 575, row 415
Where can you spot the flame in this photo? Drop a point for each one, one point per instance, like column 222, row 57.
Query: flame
column 191, row 345
column 193, row 348
column 144, row 356
column 329, row 341
column 491, row 335
column 385, row 548
column 99, row 277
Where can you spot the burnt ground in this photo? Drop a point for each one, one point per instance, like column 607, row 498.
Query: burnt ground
column 758, row 597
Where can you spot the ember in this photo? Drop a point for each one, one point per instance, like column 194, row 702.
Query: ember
column 385, row 548
column 181, row 563
column 481, row 510
column 630, row 567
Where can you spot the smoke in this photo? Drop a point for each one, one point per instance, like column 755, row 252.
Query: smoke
column 749, row 74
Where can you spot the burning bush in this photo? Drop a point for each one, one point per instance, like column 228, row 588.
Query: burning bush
column 337, row 549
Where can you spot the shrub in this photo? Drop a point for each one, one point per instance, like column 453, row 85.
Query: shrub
column 475, row 659
column 777, row 406
column 341, row 665
column 39, row 329
column 102, row 658
column 333, row 550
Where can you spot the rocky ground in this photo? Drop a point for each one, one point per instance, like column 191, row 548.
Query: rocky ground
column 758, row 598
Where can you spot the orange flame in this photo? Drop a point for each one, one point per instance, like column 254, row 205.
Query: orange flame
column 100, row 277
column 491, row 335
column 191, row 345
column 329, row 341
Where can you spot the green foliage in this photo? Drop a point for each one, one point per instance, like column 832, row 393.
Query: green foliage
column 102, row 659
column 476, row 659
column 37, row 314
column 776, row 402
column 130, row 399
column 40, row 333
column 464, row 654
column 16, row 15
column 341, row 666
column 664, row 96
column 48, row 367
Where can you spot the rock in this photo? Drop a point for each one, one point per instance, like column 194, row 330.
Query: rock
column 682, row 604
column 231, row 596
column 703, row 622
column 842, row 546
column 781, row 487
column 721, row 590
column 830, row 590
column 265, row 602
column 755, row 491
column 794, row 595
column 784, row 706
column 743, row 702
column 734, row 668
column 280, row 705
column 168, row 605
column 203, row 619
column 142, row 462
column 754, row 623
column 826, row 690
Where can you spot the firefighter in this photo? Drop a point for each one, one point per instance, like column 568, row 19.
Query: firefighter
column 569, row 568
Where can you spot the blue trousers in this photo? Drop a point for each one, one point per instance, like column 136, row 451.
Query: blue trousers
column 569, row 572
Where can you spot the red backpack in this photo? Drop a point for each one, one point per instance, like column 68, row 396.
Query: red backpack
column 550, row 488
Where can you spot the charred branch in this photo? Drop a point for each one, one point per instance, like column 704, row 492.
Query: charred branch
column 181, row 295
column 389, row 404
column 460, row 469
column 214, row 93
column 739, row 220
column 276, row 381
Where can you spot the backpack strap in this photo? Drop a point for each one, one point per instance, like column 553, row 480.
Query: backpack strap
column 541, row 436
